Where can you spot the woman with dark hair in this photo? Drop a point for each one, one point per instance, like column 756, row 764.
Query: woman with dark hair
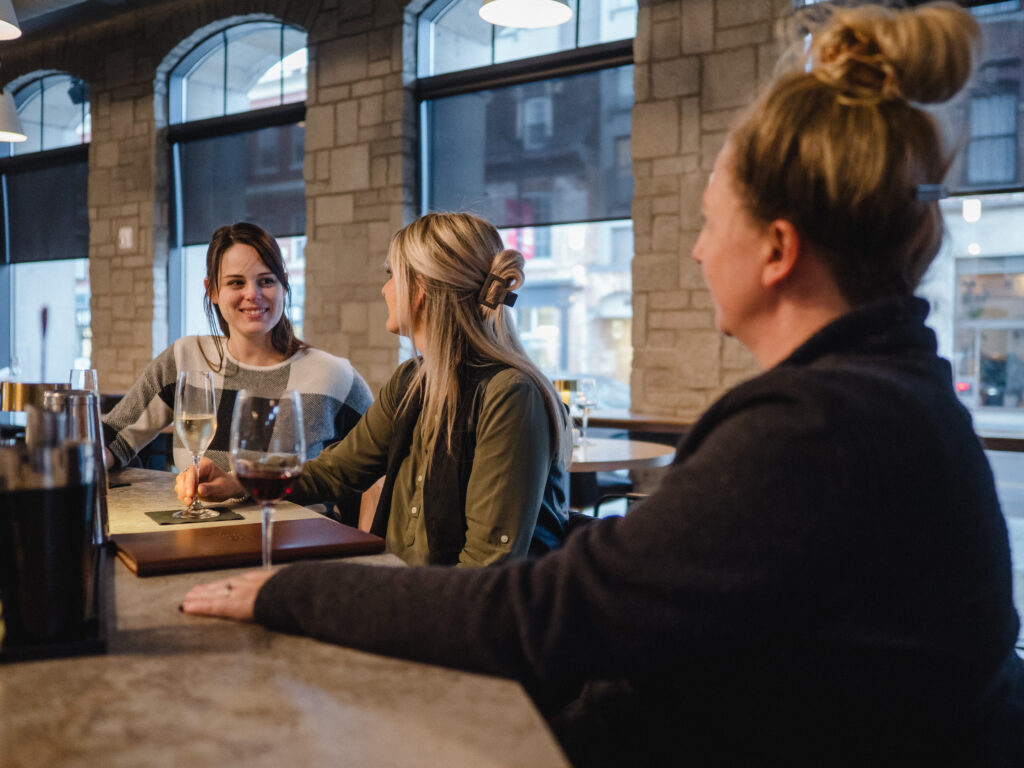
column 822, row 578
column 252, row 346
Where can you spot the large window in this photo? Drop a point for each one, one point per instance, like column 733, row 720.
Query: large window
column 236, row 105
column 976, row 285
column 453, row 37
column 538, row 142
column 45, row 228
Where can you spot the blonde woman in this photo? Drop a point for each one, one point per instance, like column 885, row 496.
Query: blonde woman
column 469, row 435
column 822, row 577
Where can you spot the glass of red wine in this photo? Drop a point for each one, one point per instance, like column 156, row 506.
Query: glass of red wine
column 268, row 448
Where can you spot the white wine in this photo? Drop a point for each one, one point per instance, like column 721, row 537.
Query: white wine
column 196, row 430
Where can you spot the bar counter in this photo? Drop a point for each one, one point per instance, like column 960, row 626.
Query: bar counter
column 177, row 690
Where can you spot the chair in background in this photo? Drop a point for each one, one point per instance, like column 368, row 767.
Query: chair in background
column 588, row 489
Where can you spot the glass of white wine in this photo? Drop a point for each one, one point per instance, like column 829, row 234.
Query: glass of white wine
column 195, row 420
column 586, row 399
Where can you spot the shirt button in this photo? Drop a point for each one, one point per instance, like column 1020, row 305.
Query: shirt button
column 419, row 478
column 414, row 510
column 504, row 538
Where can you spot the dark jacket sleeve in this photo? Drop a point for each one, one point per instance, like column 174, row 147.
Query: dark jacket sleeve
column 718, row 548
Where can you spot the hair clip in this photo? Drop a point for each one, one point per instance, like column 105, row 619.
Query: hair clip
column 501, row 296
column 927, row 193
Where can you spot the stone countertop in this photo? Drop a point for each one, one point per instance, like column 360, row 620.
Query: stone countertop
column 148, row 490
column 177, row 690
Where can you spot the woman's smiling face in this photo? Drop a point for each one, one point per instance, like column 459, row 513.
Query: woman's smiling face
column 249, row 295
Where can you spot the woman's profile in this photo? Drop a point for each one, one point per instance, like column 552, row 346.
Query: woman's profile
column 822, row 577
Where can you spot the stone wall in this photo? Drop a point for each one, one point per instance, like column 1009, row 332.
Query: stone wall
column 698, row 63
column 358, row 141
column 360, row 184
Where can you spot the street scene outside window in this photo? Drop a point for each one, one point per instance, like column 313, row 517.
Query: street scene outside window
column 976, row 284
column 548, row 161
column 48, row 266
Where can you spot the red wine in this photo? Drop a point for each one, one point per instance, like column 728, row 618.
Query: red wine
column 267, row 484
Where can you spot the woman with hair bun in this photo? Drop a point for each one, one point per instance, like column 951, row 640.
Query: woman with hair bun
column 470, row 436
column 822, row 578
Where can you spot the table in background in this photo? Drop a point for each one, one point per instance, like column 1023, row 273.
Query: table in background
column 639, row 423
column 177, row 690
column 602, row 454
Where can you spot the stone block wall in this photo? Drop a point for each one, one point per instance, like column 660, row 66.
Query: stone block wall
column 698, row 64
column 359, row 141
column 360, row 152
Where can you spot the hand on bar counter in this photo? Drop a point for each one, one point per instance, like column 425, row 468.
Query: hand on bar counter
column 214, row 483
column 232, row 598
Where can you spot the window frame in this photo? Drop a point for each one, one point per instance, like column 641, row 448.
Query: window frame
column 587, row 59
column 233, row 123
column 40, row 159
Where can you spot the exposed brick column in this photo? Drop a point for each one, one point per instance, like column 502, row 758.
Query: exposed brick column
column 698, row 63
column 127, row 280
column 360, row 155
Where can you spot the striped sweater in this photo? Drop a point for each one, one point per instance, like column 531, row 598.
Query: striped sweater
column 334, row 397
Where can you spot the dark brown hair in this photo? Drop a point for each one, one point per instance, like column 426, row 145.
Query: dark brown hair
column 282, row 336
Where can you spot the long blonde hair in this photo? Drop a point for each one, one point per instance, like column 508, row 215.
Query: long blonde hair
column 837, row 147
column 450, row 256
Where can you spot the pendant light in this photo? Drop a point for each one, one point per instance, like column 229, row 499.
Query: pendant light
column 528, row 14
column 9, row 29
column 10, row 123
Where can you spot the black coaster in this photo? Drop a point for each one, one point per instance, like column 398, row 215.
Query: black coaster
column 165, row 516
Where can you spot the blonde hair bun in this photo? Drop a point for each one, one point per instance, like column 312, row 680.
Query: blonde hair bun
column 873, row 53
column 508, row 265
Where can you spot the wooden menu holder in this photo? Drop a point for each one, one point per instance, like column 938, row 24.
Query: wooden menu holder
column 199, row 547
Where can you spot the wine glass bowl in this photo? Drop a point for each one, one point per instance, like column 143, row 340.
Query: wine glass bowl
column 85, row 379
column 195, row 421
column 586, row 399
column 268, row 449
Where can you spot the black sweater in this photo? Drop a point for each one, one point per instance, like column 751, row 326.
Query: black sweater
column 821, row 578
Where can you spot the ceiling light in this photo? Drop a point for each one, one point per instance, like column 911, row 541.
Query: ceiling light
column 10, row 123
column 9, row 28
column 529, row 14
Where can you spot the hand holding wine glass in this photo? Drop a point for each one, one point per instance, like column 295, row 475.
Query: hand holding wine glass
column 268, row 449
column 195, row 420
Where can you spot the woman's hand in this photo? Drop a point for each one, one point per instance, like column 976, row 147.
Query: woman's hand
column 232, row 598
column 214, row 483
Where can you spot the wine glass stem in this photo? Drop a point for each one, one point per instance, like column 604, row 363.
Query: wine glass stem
column 583, row 425
column 195, row 506
column 268, row 530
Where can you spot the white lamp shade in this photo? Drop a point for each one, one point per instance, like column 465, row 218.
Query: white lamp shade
column 9, row 28
column 527, row 14
column 10, row 123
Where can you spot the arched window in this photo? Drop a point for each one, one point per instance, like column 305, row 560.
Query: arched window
column 531, row 129
column 45, row 239
column 236, row 103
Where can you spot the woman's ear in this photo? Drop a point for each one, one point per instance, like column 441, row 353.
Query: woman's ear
column 419, row 296
column 786, row 246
